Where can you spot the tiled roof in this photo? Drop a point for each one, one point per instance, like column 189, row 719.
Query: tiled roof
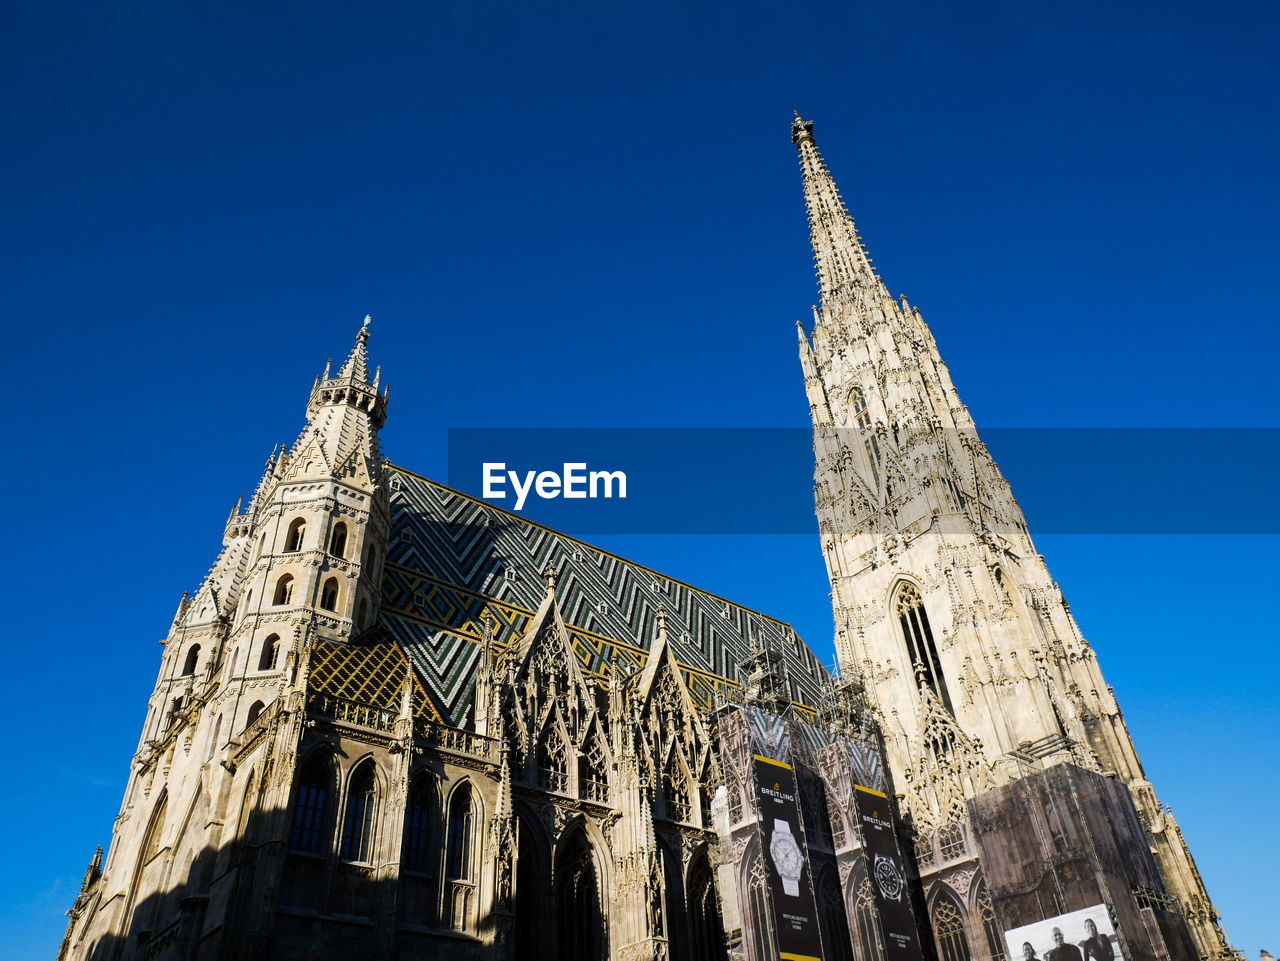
column 368, row 672
column 451, row 557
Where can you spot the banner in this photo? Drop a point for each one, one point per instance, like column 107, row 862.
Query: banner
column 795, row 915
column 887, row 871
column 1084, row 935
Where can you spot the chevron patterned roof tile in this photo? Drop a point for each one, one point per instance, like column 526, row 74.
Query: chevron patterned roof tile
column 452, row 556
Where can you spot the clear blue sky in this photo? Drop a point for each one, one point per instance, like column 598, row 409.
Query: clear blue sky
column 590, row 214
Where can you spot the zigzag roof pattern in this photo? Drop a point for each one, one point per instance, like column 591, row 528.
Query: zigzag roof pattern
column 452, row 556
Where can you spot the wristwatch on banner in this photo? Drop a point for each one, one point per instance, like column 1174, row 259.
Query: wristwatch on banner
column 888, row 877
column 786, row 857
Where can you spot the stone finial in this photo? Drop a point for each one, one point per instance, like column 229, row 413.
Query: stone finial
column 801, row 129
column 406, row 693
column 551, row 575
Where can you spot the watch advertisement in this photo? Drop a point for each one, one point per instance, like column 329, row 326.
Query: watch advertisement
column 886, row 869
column 782, row 837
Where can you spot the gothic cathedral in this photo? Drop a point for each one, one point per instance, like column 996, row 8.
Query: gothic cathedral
column 397, row 722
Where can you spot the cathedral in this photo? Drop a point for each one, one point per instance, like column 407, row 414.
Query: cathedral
column 397, row 722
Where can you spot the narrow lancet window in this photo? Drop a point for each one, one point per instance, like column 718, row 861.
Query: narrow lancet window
column 357, row 829
column 297, row 531
column 920, row 646
column 458, row 855
column 329, row 596
column 284, row 590
column 270, row 653
column 310, row 813
column 861, row 414
column 338, row 541
column 552, row 767
column 418, row 825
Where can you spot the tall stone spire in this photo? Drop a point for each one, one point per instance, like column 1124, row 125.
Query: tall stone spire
column 837, row 248
column 975, row 670
column 344, row 414
column 356, row 367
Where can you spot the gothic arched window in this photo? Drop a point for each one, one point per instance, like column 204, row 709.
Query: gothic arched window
column 255, row 710
column 213, row 739
column 674, row 902
column 861, row 414
column 270, row 652
column 1002, row 585
column 858, row 408
column 838, row 837
column 417, row 825
column 867, row 917
column 193, row 657
column 246, row 808
column 593, row 781
column 950, row 841
column 580, row 922
column 733, row 788
column 675, row 790
column 553, row 772
column 919, row 637
column 461, row 820
column 533, row 881
column 362, row 616
column 362, row 804
column 338, row 540
column 760, row 945
column 149, row 850
column 705, row 927
column 948, row 928
column 155, row 827
column 311, row 807
column 329, row 595
column 284, row 590
column 297, row 531
column 991, row 928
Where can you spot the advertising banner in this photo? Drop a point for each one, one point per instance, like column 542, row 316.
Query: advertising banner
column 786, row 857
column 1084, row 935
column 887, row 871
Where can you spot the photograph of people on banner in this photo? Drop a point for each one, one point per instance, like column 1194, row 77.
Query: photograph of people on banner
column 1084, row 935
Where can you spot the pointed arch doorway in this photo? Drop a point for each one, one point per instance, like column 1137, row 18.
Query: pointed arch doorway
column 580, row 926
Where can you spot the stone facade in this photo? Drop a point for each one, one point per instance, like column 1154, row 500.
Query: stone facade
column 944, row 613
column 397, row 722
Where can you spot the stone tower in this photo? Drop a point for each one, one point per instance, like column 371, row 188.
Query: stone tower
column 298, row 565
column 972, row 662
